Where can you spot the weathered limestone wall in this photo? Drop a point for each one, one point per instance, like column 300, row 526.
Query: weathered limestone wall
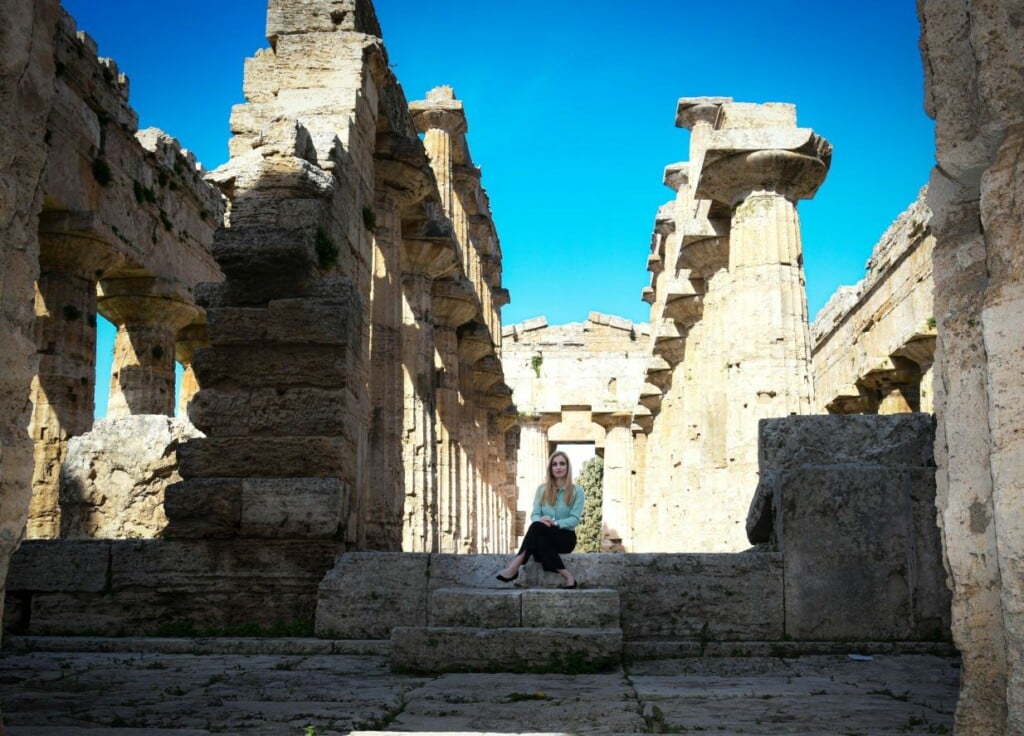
column 353, row 253
column 729, row 336
column 125, row 230
column 27, row 71
column 873, row 344
column 972, row 53
column 579, row 383
column 853, row 496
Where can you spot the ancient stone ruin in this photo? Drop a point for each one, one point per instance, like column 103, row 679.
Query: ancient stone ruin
column 334, row 296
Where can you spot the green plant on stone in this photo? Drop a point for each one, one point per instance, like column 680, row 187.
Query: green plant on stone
column 369, row 218
column 326, row 250
column 588, row 533
column 536, row 362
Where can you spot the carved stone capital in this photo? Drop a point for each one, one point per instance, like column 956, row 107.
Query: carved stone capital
column 677, row 175
column 692, row 111
column 455, row 301
column 789, row 162
column 440, row 111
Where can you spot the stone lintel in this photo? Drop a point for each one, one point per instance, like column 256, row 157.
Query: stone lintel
column 676, row 175
column 738, row 115
column 690, row 111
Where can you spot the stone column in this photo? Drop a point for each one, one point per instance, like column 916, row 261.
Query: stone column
column 423, row 260
column 704, row 250
column 64, row 387
column 971, row 52
column 189, row 339
column 617, row 503
column 402, row 179
column 761, row 174
column 533, row 457
column 442, row 120
column 454, row 305
column 148, row 315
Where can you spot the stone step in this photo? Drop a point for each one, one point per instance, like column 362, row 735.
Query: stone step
column 531, row 608
column 436, row 649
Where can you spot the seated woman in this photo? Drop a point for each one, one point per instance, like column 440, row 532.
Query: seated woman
column 557, row 509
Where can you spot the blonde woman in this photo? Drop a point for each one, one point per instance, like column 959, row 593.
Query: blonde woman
column 557, row 509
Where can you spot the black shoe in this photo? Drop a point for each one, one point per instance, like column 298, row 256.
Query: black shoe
column 504, row 579
column 570, row 587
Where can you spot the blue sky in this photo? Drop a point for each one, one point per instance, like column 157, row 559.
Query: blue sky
column 571, row 110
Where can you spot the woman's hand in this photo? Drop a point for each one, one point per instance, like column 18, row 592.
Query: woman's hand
column 547, row 521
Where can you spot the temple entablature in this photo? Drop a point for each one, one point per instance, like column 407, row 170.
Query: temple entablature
column 873, row 344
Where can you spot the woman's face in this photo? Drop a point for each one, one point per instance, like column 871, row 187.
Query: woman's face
column 559, row 467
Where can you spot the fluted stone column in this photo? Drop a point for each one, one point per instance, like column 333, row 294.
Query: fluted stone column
column 454, row 305
column 761, row 174
column 533, row 456
column 402, row 179
column 423, row 260
column 442, row 121
column 148, row 316
column 704, row 250
column 189, row 339
column 64, row 387
column 617, row 502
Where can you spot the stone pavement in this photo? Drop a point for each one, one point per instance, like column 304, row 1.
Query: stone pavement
column 188, row 687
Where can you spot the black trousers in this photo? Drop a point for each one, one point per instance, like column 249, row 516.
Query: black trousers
column 545, row 542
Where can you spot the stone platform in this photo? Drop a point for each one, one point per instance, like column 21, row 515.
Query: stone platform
column 51, row 686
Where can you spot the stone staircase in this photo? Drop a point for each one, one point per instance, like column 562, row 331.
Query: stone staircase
column 512, row 630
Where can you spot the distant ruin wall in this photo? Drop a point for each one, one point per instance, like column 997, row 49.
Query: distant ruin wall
column 873, row 343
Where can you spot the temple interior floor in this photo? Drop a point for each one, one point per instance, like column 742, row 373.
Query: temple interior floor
column 269, row 691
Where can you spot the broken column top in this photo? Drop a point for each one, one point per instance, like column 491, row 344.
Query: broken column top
column 440, row 110
column 693, row 110
column 676, row 175
column 288, row 17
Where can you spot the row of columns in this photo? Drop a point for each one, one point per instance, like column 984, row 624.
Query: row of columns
column 440, row 410
column 730, row 339
column 80, row 276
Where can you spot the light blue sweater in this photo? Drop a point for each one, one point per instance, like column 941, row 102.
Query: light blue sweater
column 566, row 517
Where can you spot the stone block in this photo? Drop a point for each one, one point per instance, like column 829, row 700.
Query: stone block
column 285, row 17
column 898, row 439
column 268, row 457
column 570, row 608
column 367, row 594
column 293, row 507
column 475, row 607
column 460, row 571
column 113, row 479
column 450, row 649
column 73, row 566
column 277, row 411
column 273, row 365
column 203, row 508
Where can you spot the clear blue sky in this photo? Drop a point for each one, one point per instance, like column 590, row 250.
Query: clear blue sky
column 571, row 110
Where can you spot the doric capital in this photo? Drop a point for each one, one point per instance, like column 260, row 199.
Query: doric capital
column 676, row 175
column 665, row 220
column 475, row 342
column 440, row 111
column 789, row 162
column 455, row 301
column 486, row 373
column 684, row 302
column 402, row 169
column 692, row 111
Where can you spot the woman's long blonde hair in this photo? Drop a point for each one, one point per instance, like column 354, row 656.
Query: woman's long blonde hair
column 551, row 485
